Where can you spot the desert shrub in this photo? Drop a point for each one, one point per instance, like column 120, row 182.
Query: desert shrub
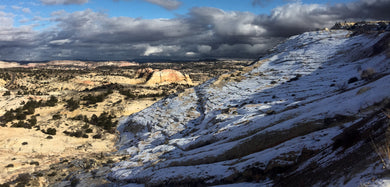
column 52, row 101
column 49, row 137
column 127, row 93
column 19, row 114
column 56, row 116
column 104, row 121
column 32, row 120
column 21, row 124
column 31, row 105
column 352, row 80
column 8, row 116
column 85, row 126
column 72, row 105
column 51, row 131
column 7, row 93
column 77, row 134
column 88, row 130
column 9, row 166
column 23, row 179
column 97, row 136
column 93, row 99
column 34, row 163
column 80, row 118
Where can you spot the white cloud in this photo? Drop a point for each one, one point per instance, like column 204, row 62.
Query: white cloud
column 64, row 2
column 26, row 10
column 60, row 42
column 190, row 54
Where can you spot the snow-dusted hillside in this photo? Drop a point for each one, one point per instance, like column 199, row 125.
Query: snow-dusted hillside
column 306, row 114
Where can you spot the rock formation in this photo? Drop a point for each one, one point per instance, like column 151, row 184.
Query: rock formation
column 166, row 76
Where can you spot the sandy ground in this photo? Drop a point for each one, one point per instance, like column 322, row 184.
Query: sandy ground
column 29, row 150
column 24, row 147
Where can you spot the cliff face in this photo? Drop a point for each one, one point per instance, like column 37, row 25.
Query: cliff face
column 307, row 114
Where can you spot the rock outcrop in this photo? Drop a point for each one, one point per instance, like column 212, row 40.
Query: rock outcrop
column 2, row 83
column 168, row 76
column 160, row 77
column 292, row 119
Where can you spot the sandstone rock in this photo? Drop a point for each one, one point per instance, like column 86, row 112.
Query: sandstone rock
column 2, row 82
column 144, row 73
column 168, row 76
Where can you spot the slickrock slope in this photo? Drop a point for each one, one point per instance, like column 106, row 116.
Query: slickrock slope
column 307, row 114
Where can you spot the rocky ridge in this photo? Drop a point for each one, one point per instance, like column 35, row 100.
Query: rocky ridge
column 314, row 105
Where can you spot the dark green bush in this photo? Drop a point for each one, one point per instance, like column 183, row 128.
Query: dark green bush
column 72, row 105
column 7, row 93
column 97, row 136
column 51, row 131
column 52, row 101
column 56, row 116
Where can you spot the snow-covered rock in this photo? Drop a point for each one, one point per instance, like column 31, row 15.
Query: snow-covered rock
column 303, row 115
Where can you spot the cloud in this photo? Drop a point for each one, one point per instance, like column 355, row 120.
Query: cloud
column 26, row 10
column 261, row 3
column 63, row 2
column 167, row 4
column 204, row 32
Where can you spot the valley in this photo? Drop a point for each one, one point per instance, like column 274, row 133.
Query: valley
column 55, row 114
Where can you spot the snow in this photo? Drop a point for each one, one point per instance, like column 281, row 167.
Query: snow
column 187, row 137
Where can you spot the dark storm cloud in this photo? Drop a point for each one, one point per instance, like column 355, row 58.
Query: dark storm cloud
column 363, row 9
column 63, row 2
column 202, row 33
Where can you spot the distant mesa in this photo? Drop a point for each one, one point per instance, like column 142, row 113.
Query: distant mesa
column 68, row 64
column 9, row 64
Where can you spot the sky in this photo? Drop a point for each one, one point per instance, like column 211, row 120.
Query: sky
column 39, row 30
